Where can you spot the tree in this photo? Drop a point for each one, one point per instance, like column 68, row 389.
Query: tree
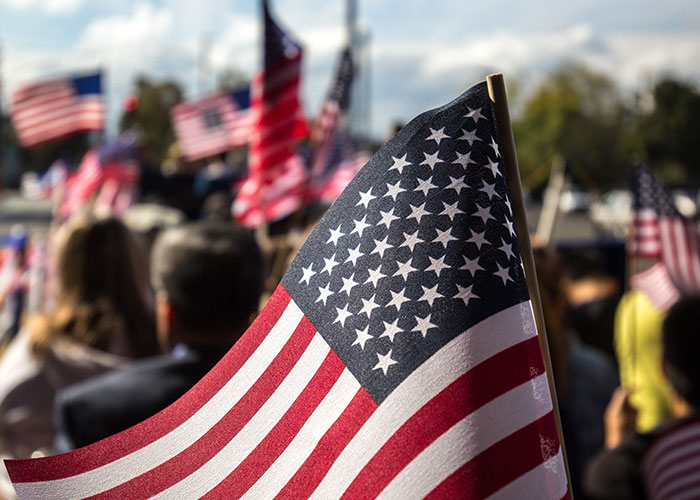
column 152, row 115
column 576, row 113
column 668, row 134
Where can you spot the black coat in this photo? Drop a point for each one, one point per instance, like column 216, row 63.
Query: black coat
column 101, row 406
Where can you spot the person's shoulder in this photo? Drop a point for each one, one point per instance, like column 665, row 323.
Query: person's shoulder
column 616, row 474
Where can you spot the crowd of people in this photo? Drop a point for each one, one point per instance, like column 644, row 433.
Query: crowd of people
column 146, row 304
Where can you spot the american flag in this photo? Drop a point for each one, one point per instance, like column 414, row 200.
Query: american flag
column 398, row 358
column 276, row 173
column 212, row 124
column 660, row 232
column 336, row 159
column 56, row 108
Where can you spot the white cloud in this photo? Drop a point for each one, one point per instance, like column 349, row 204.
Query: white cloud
column 145, row 24
column 47, row 6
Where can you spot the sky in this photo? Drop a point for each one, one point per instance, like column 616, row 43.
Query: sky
column 418, row 54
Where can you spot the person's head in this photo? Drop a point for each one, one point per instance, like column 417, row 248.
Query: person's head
column 208, row 276
column 103, row 297
column 681, row 348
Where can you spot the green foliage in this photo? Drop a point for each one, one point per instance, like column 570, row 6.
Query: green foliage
column 152, row 116
column 578, row 114
column 668, row 135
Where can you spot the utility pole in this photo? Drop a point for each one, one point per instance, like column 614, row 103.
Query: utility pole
column 359, row 46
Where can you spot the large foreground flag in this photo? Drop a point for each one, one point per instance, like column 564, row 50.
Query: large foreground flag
column 212, row 124
column 56, row 108
column 398, row 358
column 276, row 173
column 660, row 232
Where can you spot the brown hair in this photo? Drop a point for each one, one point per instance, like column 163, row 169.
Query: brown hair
column 103, row 294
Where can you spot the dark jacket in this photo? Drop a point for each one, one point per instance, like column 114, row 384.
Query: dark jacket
column 97, row 408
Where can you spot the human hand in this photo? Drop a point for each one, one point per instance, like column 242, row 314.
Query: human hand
column 620, row 417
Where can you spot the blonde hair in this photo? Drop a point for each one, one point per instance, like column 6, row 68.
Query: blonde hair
column 103, row 293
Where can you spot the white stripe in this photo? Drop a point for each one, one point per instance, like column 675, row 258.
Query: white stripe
column 686, row 472
column 694, row 256
column 250, row 436
column 544, row 481
column 59, row 110
column 668, row 253
column 682, row 251
column 491, row 336
column 286, row 465
column 130, row 466
column 469, row 437
column 657, row 455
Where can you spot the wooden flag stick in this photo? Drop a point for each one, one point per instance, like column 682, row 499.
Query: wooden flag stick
column 497, row 93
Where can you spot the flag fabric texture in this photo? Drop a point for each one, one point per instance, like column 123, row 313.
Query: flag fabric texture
column 659, row 231
column 277, row 175
column 212, row 124
column 398, row 358
column 57, row 108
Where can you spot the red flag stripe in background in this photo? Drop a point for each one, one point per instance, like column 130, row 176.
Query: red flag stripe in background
column 55, row 108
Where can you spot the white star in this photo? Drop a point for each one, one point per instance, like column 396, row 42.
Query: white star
column 494, row 146
column 329, row 264
column 365, row 198
column 418, row 212
column 325, row 293
column 394, row 189
column 335, row 235
column 465, row 294
column 484, row 213
column 384, row 362
column 464, row 159
column 362, row 337
column 343, row 314
column 430, row 294
column 380, row 246
column 437, row 135
column 489, row 189
column 507, row 248
column 437, row 265
column 397, row 299
column 493, row 166
column 457, row 184
column 410, row 240
column 425, row 185
column 404, row 269
column 474, row 114
column 469, row 136
column 368, row 305
column 374, row 276
column 353, row 255
column 423, row 325
column 507, row 202
column 477, row 238
column 391, row 329
column 471, row 265
column 399, row 163
column 360, row 225
column 503, row 273
column 451, row 210
column 431, row 160
column 387, row 218
column 348, row 284
column 308, row 273
column 444, row 237
column 509, row 225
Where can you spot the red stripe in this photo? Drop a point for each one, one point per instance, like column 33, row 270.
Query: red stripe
column 174, row 470
column 272, row 446
column 503, row 462
column 134, row 438
column 56, row 136
column 672, row 470
column 333, row 442
column 485, row 382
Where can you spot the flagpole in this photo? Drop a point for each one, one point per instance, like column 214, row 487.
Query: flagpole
column 497, row 94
